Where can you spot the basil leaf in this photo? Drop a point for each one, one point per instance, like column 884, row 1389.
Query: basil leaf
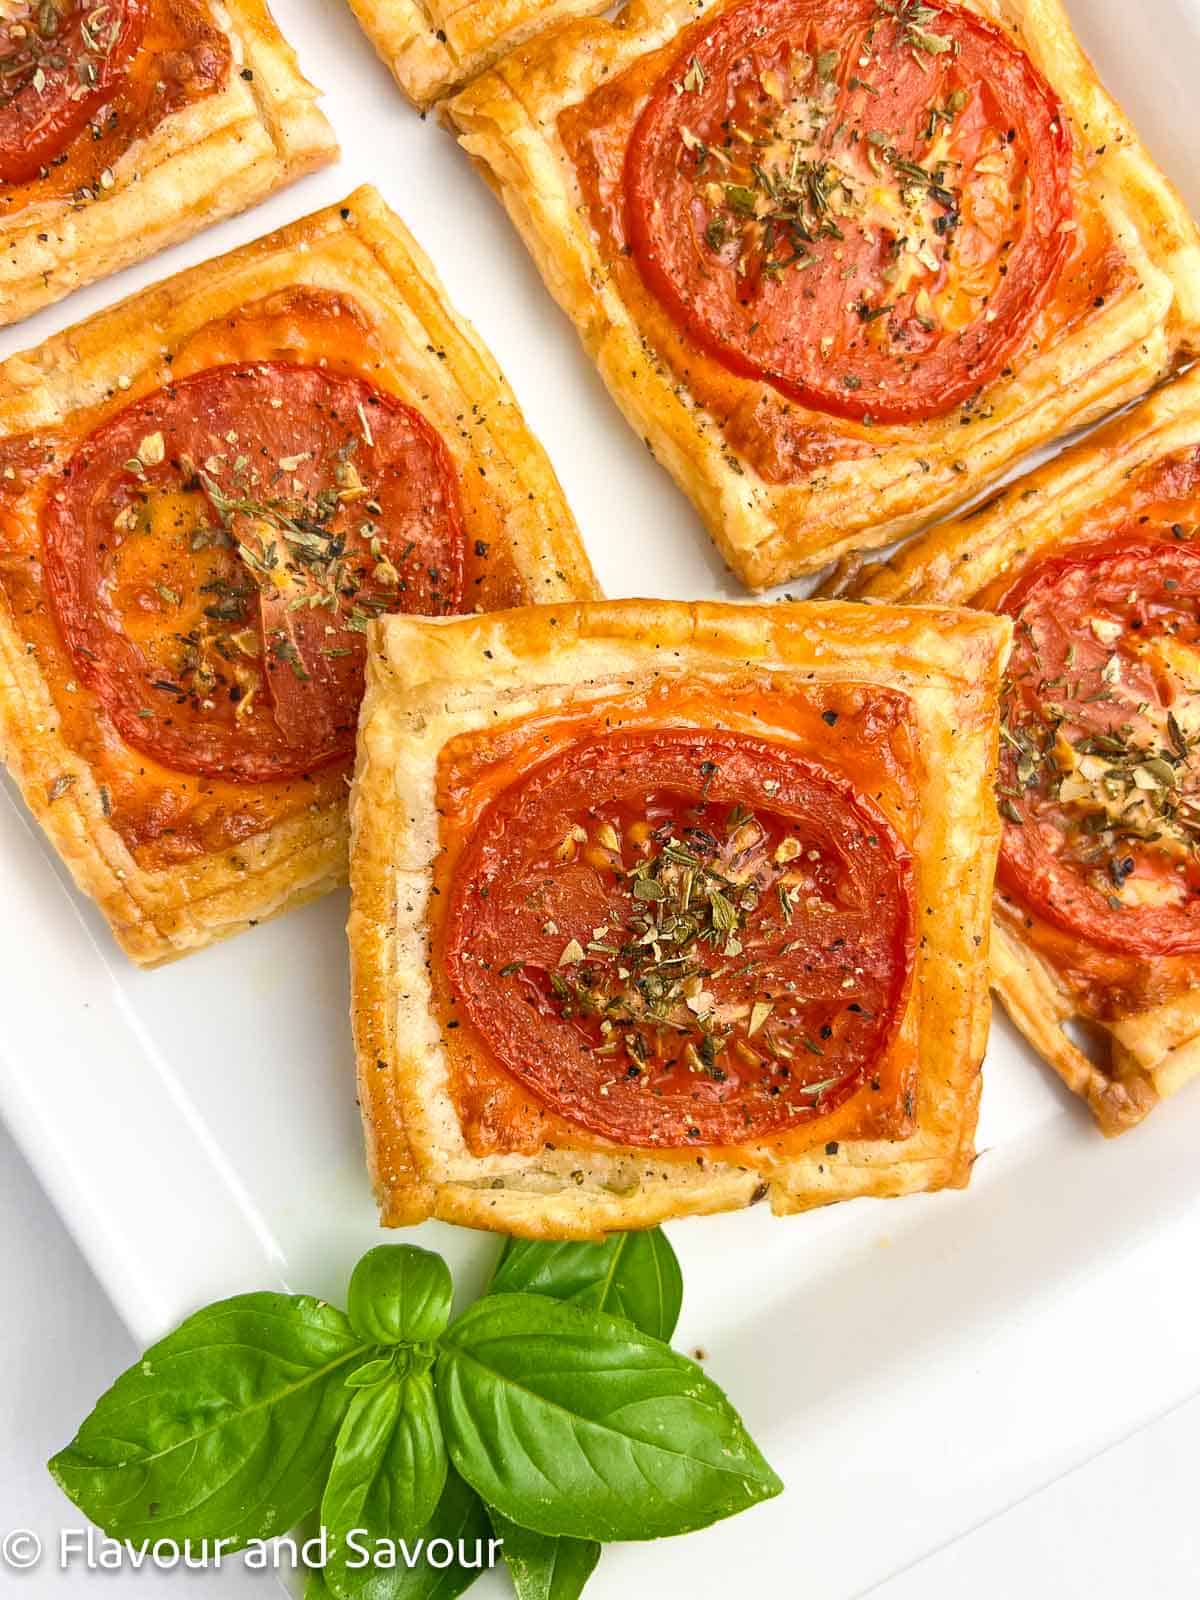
column 360, row 1453
column 223, row 1430
column 573, row 1422
column 459, row 1519
column 388, row 1474
column 417, row 1460
column 379, row 1370
column 399, row 1294
column 634, row 1275
column 542, row 1568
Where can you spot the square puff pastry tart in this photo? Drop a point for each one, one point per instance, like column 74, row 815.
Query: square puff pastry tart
column 433, row 46
column 182, row 477
column 1095, row 558
column 846, row 305
column 663, row 908
column 199, row 111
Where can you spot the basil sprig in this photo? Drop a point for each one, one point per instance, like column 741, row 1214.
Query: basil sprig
column 552, row 1412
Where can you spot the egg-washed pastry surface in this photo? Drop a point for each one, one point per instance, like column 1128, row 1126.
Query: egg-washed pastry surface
column 662, row 908
column 206, row 494
column 434, row 46
column 1096, row 561
column 839, row 261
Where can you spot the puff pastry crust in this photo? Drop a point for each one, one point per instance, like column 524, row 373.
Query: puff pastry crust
column 893, row 478
column 360, row 258
column 1148, row 1053
column 432, row 683
column 216, row 156
column 433, row 47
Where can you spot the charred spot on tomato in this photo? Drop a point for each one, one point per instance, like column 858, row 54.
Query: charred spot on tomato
column 685, row 937
column 864, row 203
column 1099, row 779
column 214, row 552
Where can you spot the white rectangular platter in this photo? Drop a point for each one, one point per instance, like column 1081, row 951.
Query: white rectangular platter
column 910, row 1367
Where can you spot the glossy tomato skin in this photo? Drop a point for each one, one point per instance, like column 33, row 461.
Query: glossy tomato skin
column 50, row 107
column 1090, row 689
column 807, row 328
column 799, row 985
column 215, row 552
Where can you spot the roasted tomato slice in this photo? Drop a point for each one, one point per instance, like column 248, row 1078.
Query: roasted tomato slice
column 679, row 937
column 60, row 60
column 1099, row 775
column 215, row 552
column 864, row 202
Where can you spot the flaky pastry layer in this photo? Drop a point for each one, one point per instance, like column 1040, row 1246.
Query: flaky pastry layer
column 431, row 681
column 1153, row 1052
column 768, row 532
column 214, row 158
column 431, row 359
column 435, row 46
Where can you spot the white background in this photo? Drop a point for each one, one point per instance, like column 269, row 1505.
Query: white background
column 1124, row 1527
column 934, row 1361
